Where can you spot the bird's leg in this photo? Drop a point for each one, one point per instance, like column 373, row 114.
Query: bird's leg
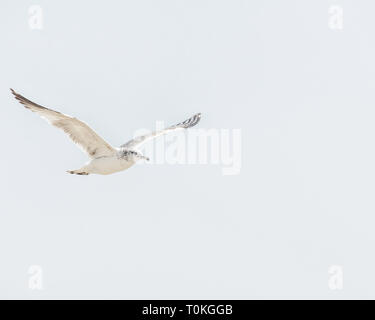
column 80, row 173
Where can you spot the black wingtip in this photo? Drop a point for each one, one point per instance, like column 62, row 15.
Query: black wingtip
column 21, row 99
column 16, row 95
column 191, row 122
column 197, row 118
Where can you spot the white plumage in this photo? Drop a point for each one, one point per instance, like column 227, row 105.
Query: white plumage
column 105, row 159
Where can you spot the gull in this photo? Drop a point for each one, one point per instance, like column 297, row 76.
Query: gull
column 104, row 159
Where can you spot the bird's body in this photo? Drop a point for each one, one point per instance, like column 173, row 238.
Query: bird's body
column 121, row 160
column 105, row 159
column 105, row 165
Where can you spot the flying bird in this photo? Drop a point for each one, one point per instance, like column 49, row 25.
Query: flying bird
column 104, row 159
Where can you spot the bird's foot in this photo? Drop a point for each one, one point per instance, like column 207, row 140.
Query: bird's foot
column 80, row 173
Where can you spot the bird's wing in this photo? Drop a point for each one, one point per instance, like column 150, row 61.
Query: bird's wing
column 138, row 141
column 77, row 130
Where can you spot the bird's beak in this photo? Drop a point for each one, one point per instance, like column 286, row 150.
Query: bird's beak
column 146, row 158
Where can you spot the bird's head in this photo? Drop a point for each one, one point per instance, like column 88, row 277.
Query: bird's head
column 136, row 156
column 142, row 157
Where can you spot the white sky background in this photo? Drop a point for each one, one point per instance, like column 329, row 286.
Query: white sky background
column 302, row 93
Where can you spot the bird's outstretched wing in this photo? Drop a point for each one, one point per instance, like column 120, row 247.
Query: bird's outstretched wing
column 138, row 141
column 77, row 130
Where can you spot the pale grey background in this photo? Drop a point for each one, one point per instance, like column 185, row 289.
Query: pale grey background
column 302, row 93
